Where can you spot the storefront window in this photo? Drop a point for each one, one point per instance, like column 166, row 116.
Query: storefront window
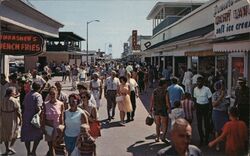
column 237, row 70
column 194, row 63
column 206, row 66
column 222, row 68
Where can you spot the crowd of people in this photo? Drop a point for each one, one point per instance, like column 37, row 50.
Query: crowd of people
column 71, row 124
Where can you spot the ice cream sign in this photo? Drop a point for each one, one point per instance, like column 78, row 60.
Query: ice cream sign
column 231, row 17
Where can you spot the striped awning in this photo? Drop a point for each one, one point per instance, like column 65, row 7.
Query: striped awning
column 237, row 46
column 202, row 53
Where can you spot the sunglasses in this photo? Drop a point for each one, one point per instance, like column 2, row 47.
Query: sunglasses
column 84, row 97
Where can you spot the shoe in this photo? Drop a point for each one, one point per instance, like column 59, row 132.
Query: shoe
column 157, row 140
column 11, row 151
column 122, row 123
column 217, row 147
column 132, row 119
column 128, row 120
column 201, row 143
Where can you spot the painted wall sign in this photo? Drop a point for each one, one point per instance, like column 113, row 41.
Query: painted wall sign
column 20, row 43
column 231, row 17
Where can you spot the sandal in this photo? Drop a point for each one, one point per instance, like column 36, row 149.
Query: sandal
column 11, row 151
column 157, row 140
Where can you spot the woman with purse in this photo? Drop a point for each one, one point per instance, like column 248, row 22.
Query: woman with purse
column 54, row 116
column 74, row 117
column 219, row 114
column 11, row 112
column 92, row 114
column 33, row 103
column 124, row 105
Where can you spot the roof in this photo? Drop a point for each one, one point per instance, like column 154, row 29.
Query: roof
column 198, row 32
column 172, row 5
column 32, row 10
column 70, row 36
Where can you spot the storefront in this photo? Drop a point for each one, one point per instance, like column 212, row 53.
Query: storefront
column 232, row 27
column 26, row 29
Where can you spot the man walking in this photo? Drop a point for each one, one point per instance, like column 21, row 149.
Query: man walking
column 180, row 141
column 203, row 101
column 110, row 90
column 175, row 92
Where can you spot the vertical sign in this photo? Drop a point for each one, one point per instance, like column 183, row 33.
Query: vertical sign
column 134, row 40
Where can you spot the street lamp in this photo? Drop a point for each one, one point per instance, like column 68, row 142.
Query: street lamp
column 87, row 42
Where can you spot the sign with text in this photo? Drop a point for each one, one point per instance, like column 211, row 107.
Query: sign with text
column 134, row 40
column 231, row 17
column 17, row 43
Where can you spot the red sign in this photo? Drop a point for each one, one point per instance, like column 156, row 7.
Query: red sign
column 134, row 40
column 12, row 43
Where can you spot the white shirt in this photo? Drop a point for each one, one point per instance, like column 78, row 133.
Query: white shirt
column 121, row 72
column 112, row 84
column 132, row 84
column 38, row 79
column 187, row 79
column 67, row 67
column 194, row 78
column 202, row 95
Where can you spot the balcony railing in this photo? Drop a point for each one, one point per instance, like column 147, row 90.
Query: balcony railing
column 166, row 22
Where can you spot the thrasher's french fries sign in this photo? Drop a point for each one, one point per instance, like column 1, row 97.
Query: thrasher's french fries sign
column 12, row 43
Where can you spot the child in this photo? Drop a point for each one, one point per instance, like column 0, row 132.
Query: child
column 177, row 112
column 236, row 134
column 59, row 144
column 188, row 106
column 85, row 143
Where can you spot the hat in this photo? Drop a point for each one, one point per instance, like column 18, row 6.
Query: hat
column 82, row 85
column 96, row 74
column 242, row 79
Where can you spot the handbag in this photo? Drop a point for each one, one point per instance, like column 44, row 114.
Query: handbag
column 35, row 121
column 149, row 120
column 95, row 129
column 119, row 99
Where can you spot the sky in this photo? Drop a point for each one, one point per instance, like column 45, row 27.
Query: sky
column 117, row 20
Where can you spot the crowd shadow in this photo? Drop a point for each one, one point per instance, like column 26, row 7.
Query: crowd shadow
column 142, row 148
column 105, row 124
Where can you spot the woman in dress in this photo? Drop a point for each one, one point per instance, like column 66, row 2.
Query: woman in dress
column 124, row 105
column 54, row 116
column 12, row 112
column 219, row 114
column 89, row 108
column 96, row 89
column 33, row 103
column 74, row 117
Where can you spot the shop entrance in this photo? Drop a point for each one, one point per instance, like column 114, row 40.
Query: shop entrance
column 180, row 66
column 42, row 60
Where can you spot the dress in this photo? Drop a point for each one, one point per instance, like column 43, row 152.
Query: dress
column 3, row 88
column 96, row 91
column 125, row 105
column 10, row 119
column 29, row 132
column 53, row 113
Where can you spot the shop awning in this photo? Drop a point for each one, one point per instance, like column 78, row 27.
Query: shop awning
column 202, row 53
column 239, row 46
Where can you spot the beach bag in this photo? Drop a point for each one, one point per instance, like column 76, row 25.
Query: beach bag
column 35, row 121
column 95, row 129
column 119, row 99
column 149, row 120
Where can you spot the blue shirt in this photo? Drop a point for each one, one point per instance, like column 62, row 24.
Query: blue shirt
column 175, row 93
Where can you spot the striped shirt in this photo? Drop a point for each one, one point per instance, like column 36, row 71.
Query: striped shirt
column 188, row 106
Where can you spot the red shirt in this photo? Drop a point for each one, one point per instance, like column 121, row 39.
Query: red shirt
column 236, row 136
